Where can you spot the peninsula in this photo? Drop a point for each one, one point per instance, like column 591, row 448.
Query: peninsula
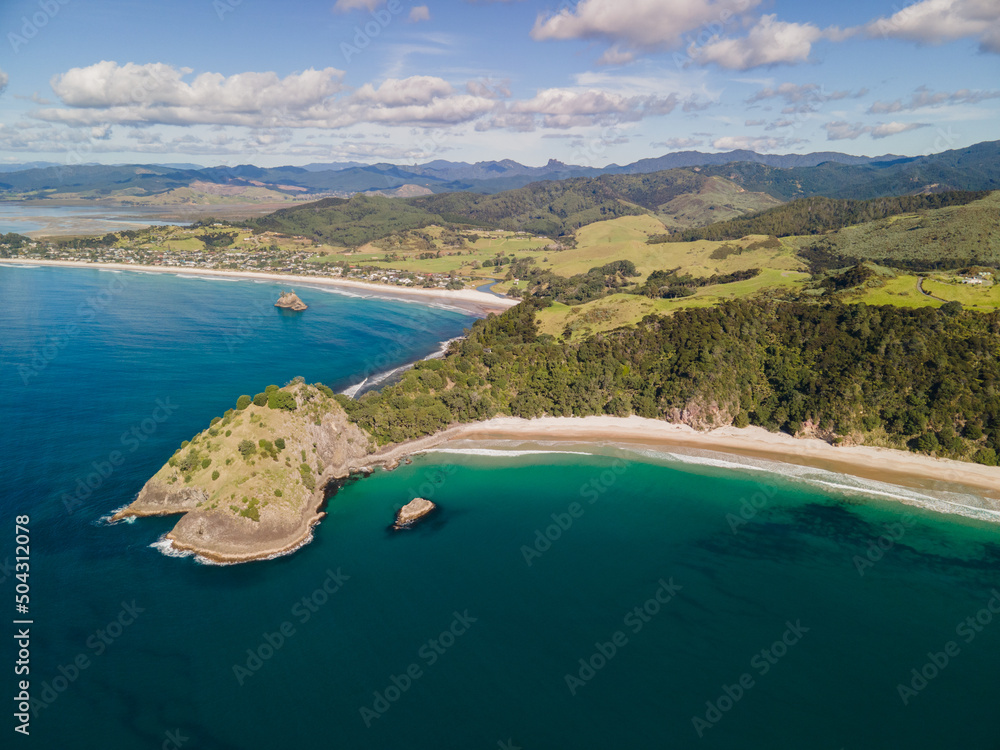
column 252, row 485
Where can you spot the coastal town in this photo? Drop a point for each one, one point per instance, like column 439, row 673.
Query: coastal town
column 223, row 247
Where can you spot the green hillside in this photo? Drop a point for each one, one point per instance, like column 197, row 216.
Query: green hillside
column 819, row 215
column 551, row 208
column 922, row 379
column 952, row 237
column 974, row 168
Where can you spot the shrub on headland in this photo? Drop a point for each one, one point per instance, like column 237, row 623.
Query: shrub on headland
column 281, row 400
column 260, row 399
column 243, row 402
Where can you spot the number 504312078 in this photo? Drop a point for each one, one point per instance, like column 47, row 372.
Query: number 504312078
column 23, row 563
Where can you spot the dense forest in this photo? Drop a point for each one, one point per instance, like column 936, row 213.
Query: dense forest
column 976, row 167
column 925, row 379
column 550, row 208
column 818, row 215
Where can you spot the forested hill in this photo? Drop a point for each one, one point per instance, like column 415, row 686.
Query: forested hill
column 551, row 208
column 819, row 215
column 925, row 379
column 974, row 168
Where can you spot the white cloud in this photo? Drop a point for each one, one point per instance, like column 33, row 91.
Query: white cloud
column 141, row 96
column 752, row 143
column 940, row 21
column 615, row 56
column 346, row 6
column 419, row 13
column 794, row 93
column 643, row 24
column 416, row 90
column 923, row 97
column 158, row 94
column 489, row 88
column 769, row 42
column 160, row 88
column 840, row 130
column 4, row 80
column 802, row 98
column 567, row 108
column 677, row 144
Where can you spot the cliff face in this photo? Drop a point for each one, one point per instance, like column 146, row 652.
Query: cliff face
column 291, row 301
column 251, row 485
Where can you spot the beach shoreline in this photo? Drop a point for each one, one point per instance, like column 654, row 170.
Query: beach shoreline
column 885, row 465
column 479, row 303
column 980, row 484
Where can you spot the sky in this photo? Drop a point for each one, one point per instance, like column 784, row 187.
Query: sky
column 226, row 82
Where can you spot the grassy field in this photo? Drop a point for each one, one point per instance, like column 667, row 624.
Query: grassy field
column 977, row 297
column 901, row 291
column 718, row 200
column 962, row 233
column 619, row 310
column 467, row 261
column 625, row 239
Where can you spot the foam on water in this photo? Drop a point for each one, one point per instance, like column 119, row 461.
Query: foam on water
column 166, row 547
column 374, row 380
column 501, row 452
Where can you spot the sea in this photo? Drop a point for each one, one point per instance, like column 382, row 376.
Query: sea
column 562, row 597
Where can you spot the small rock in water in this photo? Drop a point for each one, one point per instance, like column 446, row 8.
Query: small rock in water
column 412, row 512
column 291, row 301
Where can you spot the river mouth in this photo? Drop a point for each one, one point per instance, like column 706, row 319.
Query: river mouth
column 42, row 218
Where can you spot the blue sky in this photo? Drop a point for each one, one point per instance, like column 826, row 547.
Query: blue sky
column 591, row 82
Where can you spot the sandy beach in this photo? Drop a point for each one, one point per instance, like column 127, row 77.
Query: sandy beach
column 479, row 303
column 900, row 468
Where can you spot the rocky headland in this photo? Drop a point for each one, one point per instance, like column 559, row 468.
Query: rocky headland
column 252, row 485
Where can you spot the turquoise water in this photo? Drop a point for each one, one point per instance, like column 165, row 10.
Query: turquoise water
column 445, row 636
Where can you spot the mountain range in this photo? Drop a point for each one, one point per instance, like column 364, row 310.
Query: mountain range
column 137, row 181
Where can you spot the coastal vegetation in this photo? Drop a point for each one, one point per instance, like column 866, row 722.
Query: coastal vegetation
column 259, row 458
column 919, row 379
column 819, row 215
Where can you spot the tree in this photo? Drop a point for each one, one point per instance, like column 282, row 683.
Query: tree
column 243, row 402
column 247, row 448
column 260, row 399
column 281, row 400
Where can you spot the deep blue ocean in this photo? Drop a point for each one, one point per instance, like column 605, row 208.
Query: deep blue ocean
column 557, row 600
